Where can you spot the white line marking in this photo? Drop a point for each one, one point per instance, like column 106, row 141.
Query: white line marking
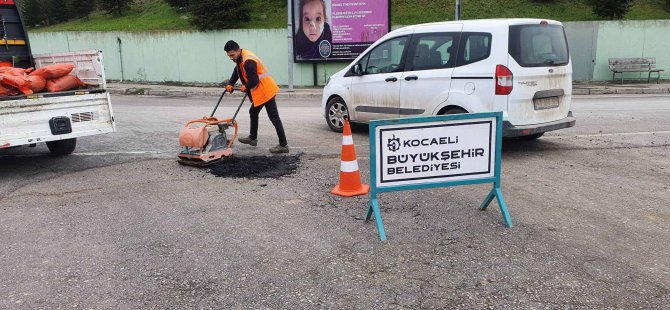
column 641, row 133
column 119, row 153
column 325, row 147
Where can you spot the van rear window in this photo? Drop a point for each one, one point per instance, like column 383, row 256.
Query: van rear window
column 538, row 45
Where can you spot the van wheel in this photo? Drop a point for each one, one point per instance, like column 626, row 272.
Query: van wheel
column 531, row 137
column 62, row 147
column 336, row 111
column 453, row 110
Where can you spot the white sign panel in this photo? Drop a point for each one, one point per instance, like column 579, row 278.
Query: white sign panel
column 433, row 152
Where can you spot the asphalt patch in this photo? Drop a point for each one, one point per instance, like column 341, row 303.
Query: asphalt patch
column 256, row 167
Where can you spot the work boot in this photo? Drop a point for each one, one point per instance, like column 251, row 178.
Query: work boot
column 279, row 149
column 247, row 140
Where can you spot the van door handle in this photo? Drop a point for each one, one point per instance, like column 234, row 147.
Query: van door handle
column 411, row 77
column 391, row 79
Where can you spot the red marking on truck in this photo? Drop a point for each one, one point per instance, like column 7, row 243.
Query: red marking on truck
column 7, row 2
column 5, row 145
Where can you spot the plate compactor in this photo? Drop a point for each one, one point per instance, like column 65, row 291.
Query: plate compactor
column 205, row 141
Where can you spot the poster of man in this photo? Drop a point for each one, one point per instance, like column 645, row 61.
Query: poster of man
column 328, row 30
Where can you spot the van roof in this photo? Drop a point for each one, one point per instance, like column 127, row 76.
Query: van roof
column 485, row 22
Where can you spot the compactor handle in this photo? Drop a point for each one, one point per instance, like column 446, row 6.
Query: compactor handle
column 221, row 98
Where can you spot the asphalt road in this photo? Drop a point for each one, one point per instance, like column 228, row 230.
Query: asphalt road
column 120, row 225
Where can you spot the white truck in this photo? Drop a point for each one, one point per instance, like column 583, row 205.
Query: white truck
column 59, row 118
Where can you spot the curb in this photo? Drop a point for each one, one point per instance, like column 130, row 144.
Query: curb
column 204, row 93
column 619, row 91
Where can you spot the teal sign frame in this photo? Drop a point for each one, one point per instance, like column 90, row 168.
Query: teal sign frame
column 375, row 189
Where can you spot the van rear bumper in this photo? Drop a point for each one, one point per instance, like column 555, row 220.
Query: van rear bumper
column 510, row 130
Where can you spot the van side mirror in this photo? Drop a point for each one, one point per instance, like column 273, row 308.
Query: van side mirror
column 357, row 69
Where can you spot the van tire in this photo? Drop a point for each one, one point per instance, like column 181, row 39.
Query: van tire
column 453, row 110
column 62, row 147
column 532, row 137
column 336, row 110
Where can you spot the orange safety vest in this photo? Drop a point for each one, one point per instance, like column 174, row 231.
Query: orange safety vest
column 266, row 88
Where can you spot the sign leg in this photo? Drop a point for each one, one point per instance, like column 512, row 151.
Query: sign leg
column 497, row 194
column 503, row 207
column 488, row 199
column 369, row 215
column 374, row 207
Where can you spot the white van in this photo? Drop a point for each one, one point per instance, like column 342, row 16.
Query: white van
column 519, row 66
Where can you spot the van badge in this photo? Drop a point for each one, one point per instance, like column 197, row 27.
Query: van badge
column 551, row 70
column 529, row 83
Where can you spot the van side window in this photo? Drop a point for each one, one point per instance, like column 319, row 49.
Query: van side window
column 433, row 51
column 386, row 57
column 476, row 46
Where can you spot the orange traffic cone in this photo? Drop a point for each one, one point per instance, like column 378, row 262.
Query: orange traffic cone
column 350, row 176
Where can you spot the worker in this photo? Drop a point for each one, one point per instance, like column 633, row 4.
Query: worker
column 261, row 88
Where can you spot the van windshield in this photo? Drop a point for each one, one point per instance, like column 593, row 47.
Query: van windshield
column 538, row 45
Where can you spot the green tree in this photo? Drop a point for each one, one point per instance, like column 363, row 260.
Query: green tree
column 611, row 9
column 81, row 8
column 178, row 3
column 33, row 14
column 56, row 11
column 667, row 5
column 218, row 14
column 116, row 7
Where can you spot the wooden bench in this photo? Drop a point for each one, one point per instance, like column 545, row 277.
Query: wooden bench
column 642, row 64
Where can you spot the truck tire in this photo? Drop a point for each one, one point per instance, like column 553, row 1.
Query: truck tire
column 62, row 147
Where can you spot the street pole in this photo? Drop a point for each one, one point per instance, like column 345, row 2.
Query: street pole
column 290, row 46
column 458, row 9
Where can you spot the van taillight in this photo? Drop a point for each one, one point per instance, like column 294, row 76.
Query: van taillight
column 504, row 80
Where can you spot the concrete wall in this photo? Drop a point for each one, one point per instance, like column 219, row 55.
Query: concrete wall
column 593, row 43
column 632, row 39
column 198, row 57
column 179, row 56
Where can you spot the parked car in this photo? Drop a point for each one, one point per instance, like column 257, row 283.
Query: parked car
column 518, row 66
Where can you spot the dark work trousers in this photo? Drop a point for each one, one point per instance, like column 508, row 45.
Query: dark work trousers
column 273, row 114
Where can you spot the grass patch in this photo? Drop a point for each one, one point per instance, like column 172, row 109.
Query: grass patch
column 267, row 14
column 150, row 15
column 143, row 16
column 408, row 12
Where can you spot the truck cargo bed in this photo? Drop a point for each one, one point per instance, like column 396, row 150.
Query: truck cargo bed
column 46, row 116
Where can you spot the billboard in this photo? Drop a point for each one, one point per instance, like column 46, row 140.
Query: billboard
column 337, row 30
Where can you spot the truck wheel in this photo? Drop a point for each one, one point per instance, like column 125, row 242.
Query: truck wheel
column 62, row 147
column 336, row 111
column 531, row 137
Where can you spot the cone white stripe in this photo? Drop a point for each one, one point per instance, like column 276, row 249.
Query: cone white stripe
column 347, row 140
column 349, row 166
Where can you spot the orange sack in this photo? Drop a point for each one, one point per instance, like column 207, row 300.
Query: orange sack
column 14, row 71
column 8, row 91
column 54, row 71
column 37, row 83
column 19, row 82
column 68, row 82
